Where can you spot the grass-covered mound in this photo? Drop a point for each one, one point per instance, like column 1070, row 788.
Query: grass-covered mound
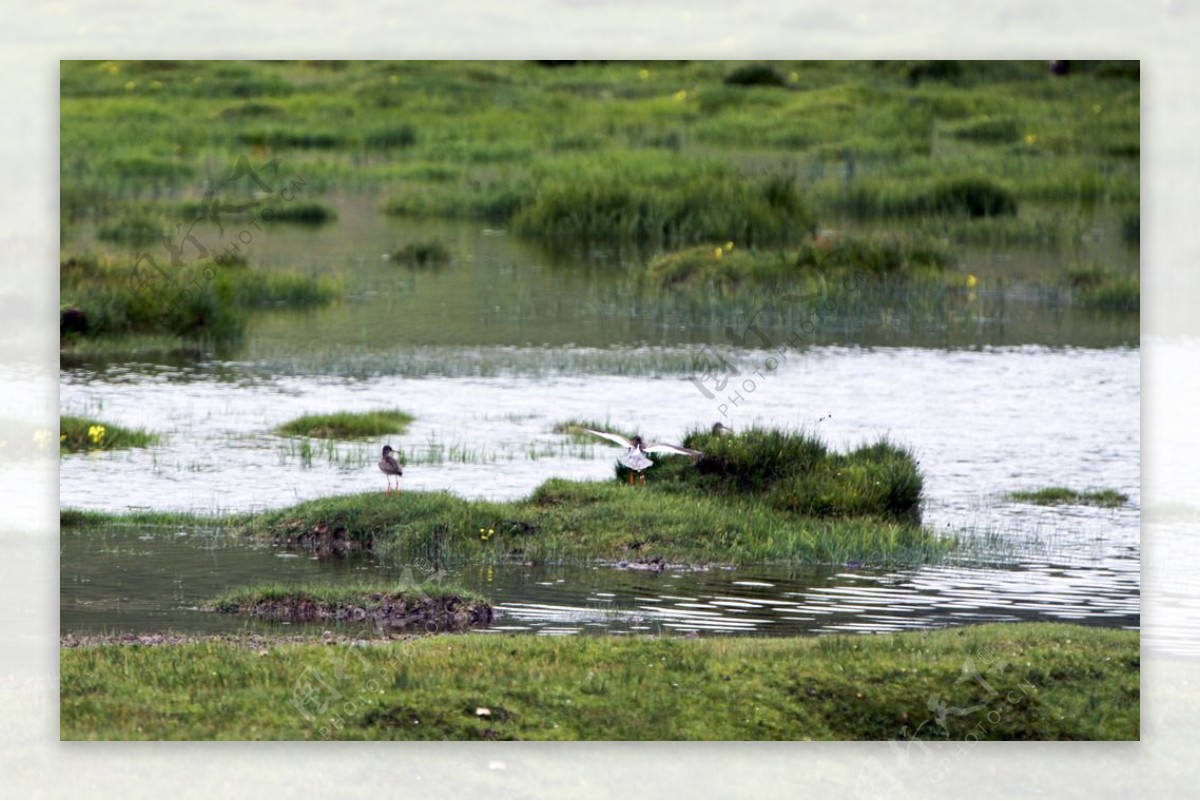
column 347, row 425
column 103, row 295
column 643, row 200
column 79, row 434
column 760, row 496
column 1057, row 496
column 435, row 607
column 1097, row 288
column 813, row 264
column 1035, row 681
column 796, row 472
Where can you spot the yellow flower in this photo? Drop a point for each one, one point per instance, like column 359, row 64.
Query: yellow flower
column 971, row 281
column 728, row 246
column 1030, row 139
column 130, row 86
column 681, row 95
column 718, row 253
column 643, row 73
column 793, row 76
column 96, row 434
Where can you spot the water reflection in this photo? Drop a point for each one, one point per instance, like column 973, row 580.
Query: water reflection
column 130, row 580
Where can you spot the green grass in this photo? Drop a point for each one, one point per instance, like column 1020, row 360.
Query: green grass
column 1028, row 681
column 1055, row 496
column 671, row 152
column 347, row 425
column 81, row 434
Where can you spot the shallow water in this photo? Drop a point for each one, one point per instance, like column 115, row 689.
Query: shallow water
column 982, row 423
column 1004, row 391
column 129, row 579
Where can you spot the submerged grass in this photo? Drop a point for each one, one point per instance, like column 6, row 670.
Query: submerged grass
column 81, row 434
column 1036, row 681
column 1054, row 496
column 346, row 425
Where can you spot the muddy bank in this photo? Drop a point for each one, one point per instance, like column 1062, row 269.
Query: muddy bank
column 388, row 610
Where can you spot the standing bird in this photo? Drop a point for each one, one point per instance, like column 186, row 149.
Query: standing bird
column 635, row 458
column 390, row 467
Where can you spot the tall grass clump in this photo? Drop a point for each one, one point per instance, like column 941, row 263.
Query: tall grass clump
column 1097, row 288
column 81, row 434
column 133, row 229
column 430, row 253
column 102, row 296
column 965, row 196
column 309, row 213
column 726, row 270
column 796, row 472
column 346, row 425
column 664, row 205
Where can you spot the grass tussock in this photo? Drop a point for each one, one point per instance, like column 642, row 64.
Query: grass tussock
column 424, row 254
column 301, row 213
column 104, row 296
column 633, row 200
column 795, row 472
column 347, row 425
column 968, row 196
column 1098, row 288
column 1057, row 496
column 82, row 434
column 727, row 270
column 1040, row 681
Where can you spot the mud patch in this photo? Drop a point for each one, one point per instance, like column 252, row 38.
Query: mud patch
column 387, row 610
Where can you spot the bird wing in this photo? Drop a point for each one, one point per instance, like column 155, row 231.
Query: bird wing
column 617, row 438
column 663, row 447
